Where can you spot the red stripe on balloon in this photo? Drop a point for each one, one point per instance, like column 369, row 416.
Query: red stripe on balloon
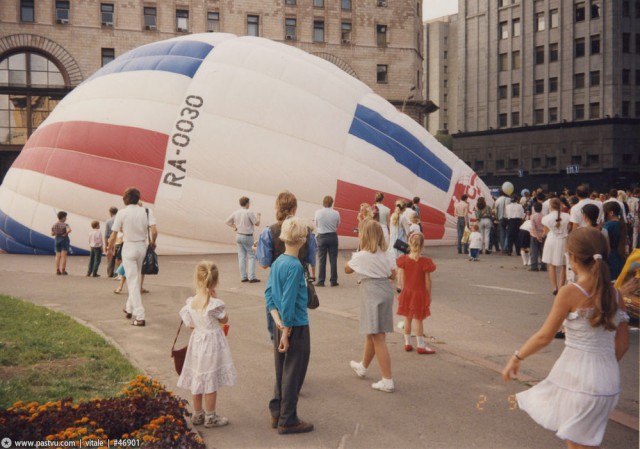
column 350, row 196
column 104, row 157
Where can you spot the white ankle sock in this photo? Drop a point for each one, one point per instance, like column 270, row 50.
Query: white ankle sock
column 407, row 339
column 420, row 341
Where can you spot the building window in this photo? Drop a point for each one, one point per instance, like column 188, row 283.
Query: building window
column 62, row 12
column 555, row 18
column 213, row 21
column 253, row 25
column 445, row 68
column 578, row 81
column 578, row 112
column 638, row 43
column 515, row 119
column 553, row 115
column 515, row 60
column 150, row 18
column 595, row 9
column 594, row 110
column 595, row 44
column 626, row 77
column 502, row 92
column 538, row 116
column 626, row 105
column 318, row 31
column 626, row 9
column 502, row 122
column 445, row 54
column 515, row 90
column 579, row 47
column 579, row 11
column 576, row 159
column 382, row 73
column 539, row 21
column 22, row 110
column 182, row 20
column 637, row 77
column 27, row 11
column 107, row 55
column 539, row 58
column 290, row 29
column 550, row 162
column 536, row 162
column 553, row 52
column 637, row 108
column 346, row 5
column 553, row 84
column 637, row 17
column 293, row 2
column 318, row 3
column 538, row 87
column 381, row 35
column 626, row 42
column 478, row 165
column 594, row 78
column 500, row 162
column 503, row 30
column 517, row 29
column 503, row 62
column 345, row 32
column 106, row 14
column 513, row 164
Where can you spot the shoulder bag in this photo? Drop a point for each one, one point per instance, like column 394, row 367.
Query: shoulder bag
column 150, row 261
column 178, row 355
column 313, row 302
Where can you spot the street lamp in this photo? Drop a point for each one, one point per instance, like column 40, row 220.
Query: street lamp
column 408, row 97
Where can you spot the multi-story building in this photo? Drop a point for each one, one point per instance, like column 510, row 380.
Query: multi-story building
column 549, row 91
column 48, row 47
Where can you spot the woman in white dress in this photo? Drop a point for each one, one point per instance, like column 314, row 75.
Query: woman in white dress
column 556, row 228
column 399, row 230
column 582, row 389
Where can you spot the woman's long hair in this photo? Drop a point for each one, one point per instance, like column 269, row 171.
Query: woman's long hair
column 481, row 203
column 400, row 207
column 556, row 204
column 613, row 206
column 206, row 278
column 584, row 244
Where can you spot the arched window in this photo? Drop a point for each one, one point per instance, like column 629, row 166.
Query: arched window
column 31, row 85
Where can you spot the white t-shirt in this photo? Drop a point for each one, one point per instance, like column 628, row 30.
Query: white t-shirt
column 373, row 265
column 132, row 221
column 383, row 214
column 576, row 211
column 514, row 210
column 475, row 240
column 550, row 222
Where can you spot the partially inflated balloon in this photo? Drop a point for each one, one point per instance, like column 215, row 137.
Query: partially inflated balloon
column 507, row 188
column 198, row 121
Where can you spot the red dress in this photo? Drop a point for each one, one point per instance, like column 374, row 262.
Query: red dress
column 415, row 300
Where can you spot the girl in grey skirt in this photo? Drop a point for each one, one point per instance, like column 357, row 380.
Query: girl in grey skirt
column 376, row 267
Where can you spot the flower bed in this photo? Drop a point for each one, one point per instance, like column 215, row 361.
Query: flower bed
column 144, row 414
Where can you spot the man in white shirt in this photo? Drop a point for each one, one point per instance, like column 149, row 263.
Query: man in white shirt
column 384, row 213
column 461, row 210
column 576, row 211
column 501, row 207
column 327, row 221
column 243, row 221
column 515, row 215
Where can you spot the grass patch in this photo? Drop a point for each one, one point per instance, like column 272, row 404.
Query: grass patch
column 46, row 356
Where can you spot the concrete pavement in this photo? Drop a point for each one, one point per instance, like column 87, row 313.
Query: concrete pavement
column 481, row 312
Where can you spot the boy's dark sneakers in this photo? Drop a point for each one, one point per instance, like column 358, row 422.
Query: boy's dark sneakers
column 300, row 427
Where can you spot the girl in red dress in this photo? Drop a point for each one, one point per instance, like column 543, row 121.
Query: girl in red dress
column 415, row 299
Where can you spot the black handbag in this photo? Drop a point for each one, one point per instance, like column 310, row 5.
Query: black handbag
column 401, row 246
column 150, row 261
column 313, row 302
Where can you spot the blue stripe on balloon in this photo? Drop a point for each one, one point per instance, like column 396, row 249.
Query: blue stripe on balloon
column 405, row 148
column 16, row 238
column 181, row 57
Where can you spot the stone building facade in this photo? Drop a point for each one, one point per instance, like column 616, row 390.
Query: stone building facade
column 47, row 47
column 547, row 88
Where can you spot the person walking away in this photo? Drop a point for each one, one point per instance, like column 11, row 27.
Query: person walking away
column 616, row 232
column 60, row 231
column 243, row 222
column 537, row 237
column 95, row 243
column 556, row 228
column 375, row 267
column 501, row 215
column 414, row 303
column 461, row 211
column 583, row 387
column 326, row 222
column 135, row 223
column 286, row 296
column 485, row 222
column 208, row 365
column 475, row 243
column 399, row 231
column 384, row 214
column 515, row 214
column 524, row 240
column 111, row 261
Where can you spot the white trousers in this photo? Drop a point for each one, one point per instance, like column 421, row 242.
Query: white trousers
column 132, row 257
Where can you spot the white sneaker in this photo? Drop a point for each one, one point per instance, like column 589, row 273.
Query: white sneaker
column 385, row 385
column 213, row 420
column 197, row 419
column 358, row 368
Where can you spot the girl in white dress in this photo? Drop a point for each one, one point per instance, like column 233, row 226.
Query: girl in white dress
column 556, row 228
column 208, row 364
column 582, row 389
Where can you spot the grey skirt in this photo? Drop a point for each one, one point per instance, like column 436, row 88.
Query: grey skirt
column 376, row 306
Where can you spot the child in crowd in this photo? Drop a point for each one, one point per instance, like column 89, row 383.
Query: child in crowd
column 286, row 296
column 60, row 231
column 524, row 237
column 475, row 243
column 415, row 299
column 375, row 266
column 95, row 243
column 415, row 223
column 208, row 364
column 122, row 277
